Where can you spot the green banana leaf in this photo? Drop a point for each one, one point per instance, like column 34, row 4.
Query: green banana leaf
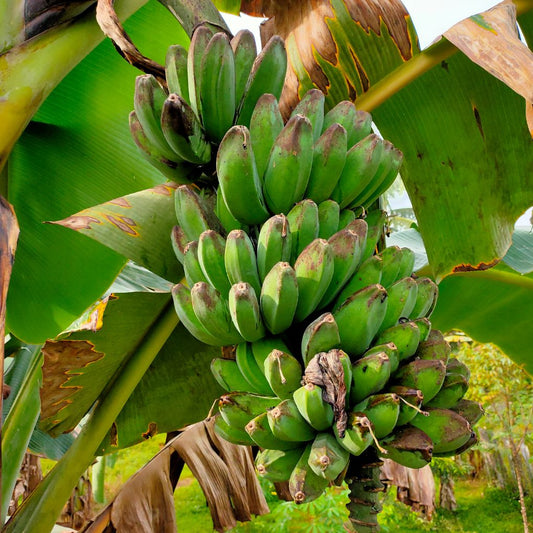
column 76, row 154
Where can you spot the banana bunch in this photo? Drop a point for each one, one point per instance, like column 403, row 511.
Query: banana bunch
column 210, row 87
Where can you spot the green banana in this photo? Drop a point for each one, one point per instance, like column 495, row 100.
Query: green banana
column 406, row 337
column 199, row 42
column 327, row 458
column 259, row 430
column 179, row 242
column 425, row 375
column 457, row 451
column 251, row 371
column 358, row 435
column 245, row 52
column 382, row 410
column 288, row 424
column 304, row 485
column 311, row 405
column 424, row 326
column 238, row 408
column 261, row 349
column 392, row 260
column 274, row 244
column 279, row 297
column 228, row 376
column 231, row 433
column 361, row 128
column 227, row 220
column 190, row 212
column 360, row 317
column 217, row 87
column 176, row 71
column 277, row 465
column 362, row 162
column 328, row 219
column 245, row 313
column 435, row 347
column 454, row 386
column 240, row 260
column 267, row 76
column 211, row 249
column 183, row 131
column 239, row 180
column 177, row 171
column 470, row 410
column 212, row 312
column 390, row 350
column 407, row 264
column 345, row 114
column 265, row 126
column 314, row 271
column 311, row 106
column 376, row 220
column 148, row 103
column 191, row 265
column 289, row 165
column 426, row 300
column 369, row 375
column 346, row 363
column 304, row 226
column 321, row 335
column 329, row 157
column 409, row 447
column 447, row 429
column 181, row 295
column 369, row 273
column 411, row 402
column 283, row 373
column 346, row 217
column 402, row 298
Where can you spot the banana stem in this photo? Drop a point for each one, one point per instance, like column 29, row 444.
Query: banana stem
column 365, row 488
column 39, row 512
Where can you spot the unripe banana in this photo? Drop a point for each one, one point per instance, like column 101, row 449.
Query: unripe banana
column 267, row 76
column 231, row 433
column 454, row 386
column 448, row 430
column 245, row 313
column 458, row 451
column 357, row 123
column 199, row 42
column 311, row 106
column 422, row 374
column 390, row 350
column 238, row 408
column 362, row 126
column 362, row 162
column 191, row 265
column 369, row 273
column 407, row 263
column 259, row 430
column 304, row 226
column 360, row 317
column 190, row 212
column 289, row 165
column 470, row 410
column 314, row 270
column 245, row 52
column 227, row 220
column 265, row 126
column 176, row 71
column 251, row 371
column 211, row 249
column 327, row 458
column 402, row 298
column 181, row 295
column 376, row 220
column 328, row 219
column 274, row 244
column 262, row 348
column 426, row 300
column 382, row 410
column 321, row 335
column 409, row 446
column 411, row 404
column 392, row 260
column 406, row 337
column 240, row 260
column 283, row 372
column 346, row 363
column 228, row 376
column 329, row 157
column 288, row 424
column 239, row 180
column 311, row 405
column 435, row 347
column 346, row 217
column 424, row 326
column 279, row 297
column 304, row 485
column 369, row 375
column 183, row 131
column 277, row 465
column 213, row 313
column 179, row 242
column 357, row 437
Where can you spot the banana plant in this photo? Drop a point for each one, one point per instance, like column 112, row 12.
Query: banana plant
column 94, row 125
